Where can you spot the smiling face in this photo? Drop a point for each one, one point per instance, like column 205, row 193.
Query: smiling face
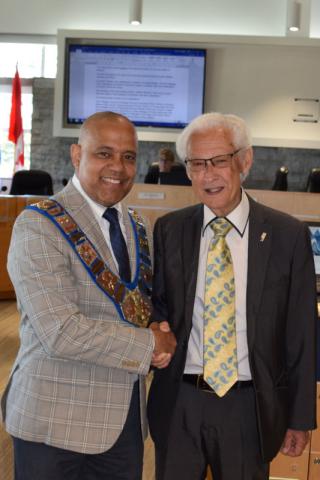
column 219, row 189
column 105, row 159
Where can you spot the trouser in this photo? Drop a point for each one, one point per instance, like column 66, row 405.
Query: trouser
column 208, row 430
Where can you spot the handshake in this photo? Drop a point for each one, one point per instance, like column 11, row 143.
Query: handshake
column 165, row 344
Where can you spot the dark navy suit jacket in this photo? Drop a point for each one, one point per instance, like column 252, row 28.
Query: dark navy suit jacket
column 281, row 318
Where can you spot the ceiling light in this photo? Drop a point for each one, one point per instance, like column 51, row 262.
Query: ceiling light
column 294, row 16
column 135, row 16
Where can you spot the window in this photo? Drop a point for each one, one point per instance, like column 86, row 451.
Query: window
column 33, row 60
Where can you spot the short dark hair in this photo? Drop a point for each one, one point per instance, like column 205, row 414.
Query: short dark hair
column 167, row 153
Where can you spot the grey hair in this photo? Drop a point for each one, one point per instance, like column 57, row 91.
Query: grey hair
column 240, row 135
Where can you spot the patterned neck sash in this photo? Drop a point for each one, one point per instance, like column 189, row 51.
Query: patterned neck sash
column 132, row 300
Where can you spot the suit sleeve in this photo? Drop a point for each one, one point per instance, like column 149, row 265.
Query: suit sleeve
column 301, row 336
column 160, row 310
column 51, row 284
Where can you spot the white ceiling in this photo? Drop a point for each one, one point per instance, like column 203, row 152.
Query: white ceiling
column 222, row 17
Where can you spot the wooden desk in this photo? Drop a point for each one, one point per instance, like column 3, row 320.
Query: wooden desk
column 10, row 207
column 153, row 201
column 7, row 217
column 156, row 200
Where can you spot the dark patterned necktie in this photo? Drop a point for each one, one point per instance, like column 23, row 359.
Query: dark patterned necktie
column 118, row 244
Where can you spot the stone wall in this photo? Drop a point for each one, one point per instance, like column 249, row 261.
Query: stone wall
column 52, row 153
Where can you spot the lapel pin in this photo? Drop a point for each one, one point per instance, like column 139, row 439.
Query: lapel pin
column 263, row 236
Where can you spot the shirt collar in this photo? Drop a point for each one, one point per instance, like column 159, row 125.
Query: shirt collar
column 238, row 217
column 96, row 207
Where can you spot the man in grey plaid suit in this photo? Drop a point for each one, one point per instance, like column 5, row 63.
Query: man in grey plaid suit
column 75, row 401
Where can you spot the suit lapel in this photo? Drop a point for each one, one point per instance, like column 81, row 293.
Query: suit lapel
column 131, row 244
column 80, row 210
column 191, row 233
column 259, row 249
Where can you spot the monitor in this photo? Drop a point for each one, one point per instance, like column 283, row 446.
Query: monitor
column 315, row 242
column 152, row 86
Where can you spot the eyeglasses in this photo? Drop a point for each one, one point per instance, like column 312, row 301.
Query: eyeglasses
column 220, row 161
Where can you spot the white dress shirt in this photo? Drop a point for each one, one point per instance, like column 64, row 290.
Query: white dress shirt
column 98, row 210
column 237, row 240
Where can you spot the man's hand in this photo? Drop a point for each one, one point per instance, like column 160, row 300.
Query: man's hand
column 294, row 442
column 165, row 344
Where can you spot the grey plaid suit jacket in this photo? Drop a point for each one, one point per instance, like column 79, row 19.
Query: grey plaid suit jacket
column 72, row 381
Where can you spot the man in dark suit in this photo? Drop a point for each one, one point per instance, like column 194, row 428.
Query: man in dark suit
column 241, row 385
column 166, row 171
column 165, row 164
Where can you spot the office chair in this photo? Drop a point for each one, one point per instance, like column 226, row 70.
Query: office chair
column 31, row 182
column 313, row 183
column 281, row 180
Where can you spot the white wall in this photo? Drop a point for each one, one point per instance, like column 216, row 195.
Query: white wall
column 257, row 82
column 260, row 83
column 232, row 17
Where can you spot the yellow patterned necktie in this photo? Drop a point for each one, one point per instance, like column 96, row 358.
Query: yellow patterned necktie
column 220, row 347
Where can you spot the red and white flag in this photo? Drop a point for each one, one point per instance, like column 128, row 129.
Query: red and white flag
column 15, row 128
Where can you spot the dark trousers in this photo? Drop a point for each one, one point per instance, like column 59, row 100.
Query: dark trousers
column 123, row 461
column 208, row 430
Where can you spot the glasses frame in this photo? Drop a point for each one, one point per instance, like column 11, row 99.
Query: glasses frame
column 212, row 160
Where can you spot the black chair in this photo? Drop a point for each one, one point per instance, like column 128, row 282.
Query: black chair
column 313, row 183
column 281, row 180
column 31, row 182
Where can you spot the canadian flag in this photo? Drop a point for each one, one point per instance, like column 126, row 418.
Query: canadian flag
column 15, row 128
